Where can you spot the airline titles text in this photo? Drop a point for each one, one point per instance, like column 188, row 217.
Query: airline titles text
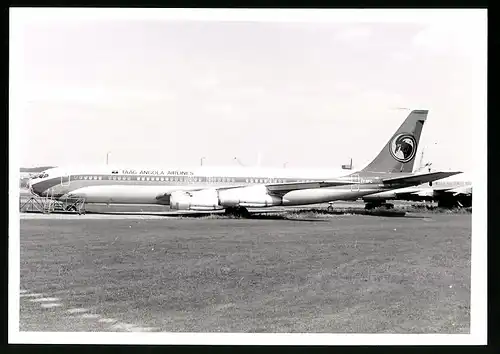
column 157, row 172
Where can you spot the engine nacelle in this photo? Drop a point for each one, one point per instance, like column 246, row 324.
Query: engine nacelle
column 251, row 197
column 202, row 200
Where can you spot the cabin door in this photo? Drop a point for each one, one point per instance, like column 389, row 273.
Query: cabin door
column 355, row 179
column 65, row 180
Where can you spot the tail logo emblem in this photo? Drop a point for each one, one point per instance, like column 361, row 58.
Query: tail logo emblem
column 403, row 147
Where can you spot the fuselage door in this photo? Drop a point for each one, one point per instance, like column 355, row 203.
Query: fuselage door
column 355, row 179
column 65, row 180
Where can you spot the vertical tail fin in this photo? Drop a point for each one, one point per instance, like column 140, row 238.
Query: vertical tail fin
column 398, row 155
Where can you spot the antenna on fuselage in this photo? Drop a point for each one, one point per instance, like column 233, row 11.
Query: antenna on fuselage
column 238, row 161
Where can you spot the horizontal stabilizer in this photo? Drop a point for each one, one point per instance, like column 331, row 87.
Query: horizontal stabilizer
column 419, row 178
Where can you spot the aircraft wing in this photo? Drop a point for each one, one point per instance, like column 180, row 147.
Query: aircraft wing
column 283, row 188
column 289, row 186
column 273, row 188
column 419, row 178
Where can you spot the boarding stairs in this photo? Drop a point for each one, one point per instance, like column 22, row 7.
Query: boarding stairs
column 49, row 204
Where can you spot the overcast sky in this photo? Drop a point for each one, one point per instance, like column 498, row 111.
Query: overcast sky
column 313, row 94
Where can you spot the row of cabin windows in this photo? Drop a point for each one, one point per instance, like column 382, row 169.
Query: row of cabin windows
column 129, row 178
column 264, row 180
column 211, row 179
column 183, row 179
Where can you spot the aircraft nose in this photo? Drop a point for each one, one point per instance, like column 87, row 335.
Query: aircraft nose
column 29, row 184
column 33, row 188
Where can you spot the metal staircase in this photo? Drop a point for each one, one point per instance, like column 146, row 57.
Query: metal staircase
column 49, row 204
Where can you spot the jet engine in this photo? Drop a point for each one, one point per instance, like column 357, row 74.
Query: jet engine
column 200, row 200
column 251, row 197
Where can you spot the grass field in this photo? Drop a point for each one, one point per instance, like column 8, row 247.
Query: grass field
column 341, row 274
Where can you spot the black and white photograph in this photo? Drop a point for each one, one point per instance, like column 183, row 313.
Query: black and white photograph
column 247, row 176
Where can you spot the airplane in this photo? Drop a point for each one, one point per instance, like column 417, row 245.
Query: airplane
column 236, row 189
column 448, row 193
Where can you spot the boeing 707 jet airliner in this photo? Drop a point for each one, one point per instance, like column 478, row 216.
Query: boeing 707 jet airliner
column 235, row 189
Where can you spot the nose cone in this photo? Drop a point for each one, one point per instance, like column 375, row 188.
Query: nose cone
column 29, row 184
column 35, row 187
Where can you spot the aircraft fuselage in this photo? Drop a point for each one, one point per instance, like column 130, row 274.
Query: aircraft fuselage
column 156, row 189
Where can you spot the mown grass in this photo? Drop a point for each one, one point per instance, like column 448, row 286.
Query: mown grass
column 346, row 274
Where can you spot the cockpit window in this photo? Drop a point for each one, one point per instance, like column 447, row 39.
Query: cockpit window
column 40, row 175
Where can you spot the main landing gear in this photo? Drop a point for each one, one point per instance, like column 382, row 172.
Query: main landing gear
column 239, row 212
column 373, row 205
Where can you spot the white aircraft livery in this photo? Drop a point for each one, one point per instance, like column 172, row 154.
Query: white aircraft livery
column 235, row 189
